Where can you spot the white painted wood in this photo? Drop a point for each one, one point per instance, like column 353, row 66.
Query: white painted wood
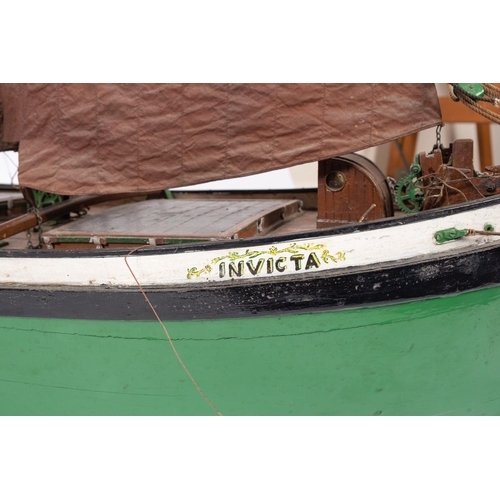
column 399, row 242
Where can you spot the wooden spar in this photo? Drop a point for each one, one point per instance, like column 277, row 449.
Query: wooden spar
column 31, row 219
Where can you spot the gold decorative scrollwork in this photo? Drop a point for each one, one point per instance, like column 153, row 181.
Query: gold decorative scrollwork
column 198, row 272
column 293, row 249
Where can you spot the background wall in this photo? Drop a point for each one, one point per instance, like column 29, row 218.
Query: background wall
column 8, row 167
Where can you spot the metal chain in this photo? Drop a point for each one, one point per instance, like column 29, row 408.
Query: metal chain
column 38, row 229
column 437, row 144
column 438, row 137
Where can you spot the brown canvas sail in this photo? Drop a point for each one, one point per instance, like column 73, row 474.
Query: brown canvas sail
column 113, row 138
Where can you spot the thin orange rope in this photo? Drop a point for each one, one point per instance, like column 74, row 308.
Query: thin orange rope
column 198, row 388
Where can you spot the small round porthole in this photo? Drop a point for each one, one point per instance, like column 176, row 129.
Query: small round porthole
column 335, row 181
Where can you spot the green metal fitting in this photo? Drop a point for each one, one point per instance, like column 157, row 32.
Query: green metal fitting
column 450, row 234
column 409, row 190
column 44, row 199
column 416, row 168
column 475, row 89
column 489, row 227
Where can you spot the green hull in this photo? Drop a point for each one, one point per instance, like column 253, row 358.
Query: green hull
column 434, row 357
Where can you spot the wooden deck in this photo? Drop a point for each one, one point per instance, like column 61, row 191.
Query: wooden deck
column 201, row 221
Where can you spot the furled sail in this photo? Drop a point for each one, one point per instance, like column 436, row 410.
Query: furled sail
column 115, row 138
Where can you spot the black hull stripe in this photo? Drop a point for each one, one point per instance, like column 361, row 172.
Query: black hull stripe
column 333, row 290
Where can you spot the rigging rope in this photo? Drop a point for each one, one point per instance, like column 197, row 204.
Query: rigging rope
column 198, row 388
column 472, row 101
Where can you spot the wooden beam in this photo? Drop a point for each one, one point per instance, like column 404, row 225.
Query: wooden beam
column 456, row 112
column 30, row 220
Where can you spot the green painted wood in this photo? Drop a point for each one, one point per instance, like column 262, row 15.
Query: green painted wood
column 440, row 356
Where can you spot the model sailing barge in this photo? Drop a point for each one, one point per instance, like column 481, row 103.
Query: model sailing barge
column 388, row 305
